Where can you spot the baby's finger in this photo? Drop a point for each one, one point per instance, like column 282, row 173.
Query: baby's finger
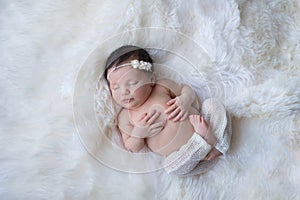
column 155, row 130
column 191, row 117
column 174, row 113
column 153, row 117
column 170, row 109
column 172, row 101
column 157, row 127
column 160, row 124
column 205, row 122
column 178, row 117
column 151, row 113
column 143, row 117
column 184, row 116
column 201, row 119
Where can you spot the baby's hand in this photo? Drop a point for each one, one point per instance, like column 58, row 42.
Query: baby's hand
column 178, row 109
column 147, row 126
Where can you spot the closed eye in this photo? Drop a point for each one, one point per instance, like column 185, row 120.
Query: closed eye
column 133, row 82
column 115, row 87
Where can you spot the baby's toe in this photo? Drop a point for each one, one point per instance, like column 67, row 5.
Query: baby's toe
column 192, row 118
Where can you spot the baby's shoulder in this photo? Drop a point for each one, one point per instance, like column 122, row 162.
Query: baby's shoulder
column 162, row 86
column 169, row 85
column 165, row 82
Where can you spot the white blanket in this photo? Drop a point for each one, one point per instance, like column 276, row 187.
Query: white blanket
column 55, row 114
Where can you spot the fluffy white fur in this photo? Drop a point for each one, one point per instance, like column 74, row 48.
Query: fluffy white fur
column 53, row 131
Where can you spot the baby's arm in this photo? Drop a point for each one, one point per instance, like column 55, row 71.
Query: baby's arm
column 131, row 143
column 133, row 136
column 183, row 98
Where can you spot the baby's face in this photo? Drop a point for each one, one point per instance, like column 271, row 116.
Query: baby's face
column 130, row 87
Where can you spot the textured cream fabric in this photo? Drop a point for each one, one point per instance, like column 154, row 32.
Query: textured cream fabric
column 219, row 121
column 188, row 160
column 188, row 156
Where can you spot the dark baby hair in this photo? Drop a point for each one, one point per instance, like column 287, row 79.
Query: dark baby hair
column 125, row 52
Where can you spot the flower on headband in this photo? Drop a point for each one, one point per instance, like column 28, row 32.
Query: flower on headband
column 136, row 64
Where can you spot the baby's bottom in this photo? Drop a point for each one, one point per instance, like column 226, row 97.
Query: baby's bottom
column 186, row 161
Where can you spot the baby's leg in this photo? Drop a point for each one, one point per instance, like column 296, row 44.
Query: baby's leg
column 219, row 121
column 202, row 128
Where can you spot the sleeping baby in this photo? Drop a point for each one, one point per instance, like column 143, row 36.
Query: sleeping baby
column 164, row 115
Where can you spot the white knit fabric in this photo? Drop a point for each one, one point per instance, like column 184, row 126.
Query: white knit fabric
column 219, row 121
column 188, row 156
column 188, row 160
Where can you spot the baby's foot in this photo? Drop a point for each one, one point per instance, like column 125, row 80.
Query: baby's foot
column 214, row 153
column 202, row 128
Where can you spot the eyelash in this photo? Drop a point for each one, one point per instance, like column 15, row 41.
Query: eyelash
column 115, row 88
column 130, row 83
column 133, row 83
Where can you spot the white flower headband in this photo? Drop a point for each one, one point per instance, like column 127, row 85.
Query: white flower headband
column 136, row 64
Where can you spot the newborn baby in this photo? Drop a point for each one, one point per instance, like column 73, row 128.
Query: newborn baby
column 155, row 113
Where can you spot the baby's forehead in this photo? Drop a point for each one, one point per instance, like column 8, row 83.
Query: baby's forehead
column 123, row 74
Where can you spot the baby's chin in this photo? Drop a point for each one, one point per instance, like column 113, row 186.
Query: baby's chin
column 130, row 106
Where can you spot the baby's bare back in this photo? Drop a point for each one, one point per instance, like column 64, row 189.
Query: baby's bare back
column 174, row 134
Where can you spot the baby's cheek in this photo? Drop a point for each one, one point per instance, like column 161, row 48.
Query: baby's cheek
column 115, row 97
column 138, row 89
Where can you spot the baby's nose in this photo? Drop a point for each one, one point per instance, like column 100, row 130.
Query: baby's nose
column 125, row 91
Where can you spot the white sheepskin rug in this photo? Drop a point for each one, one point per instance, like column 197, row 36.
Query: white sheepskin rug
column 57, row 134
